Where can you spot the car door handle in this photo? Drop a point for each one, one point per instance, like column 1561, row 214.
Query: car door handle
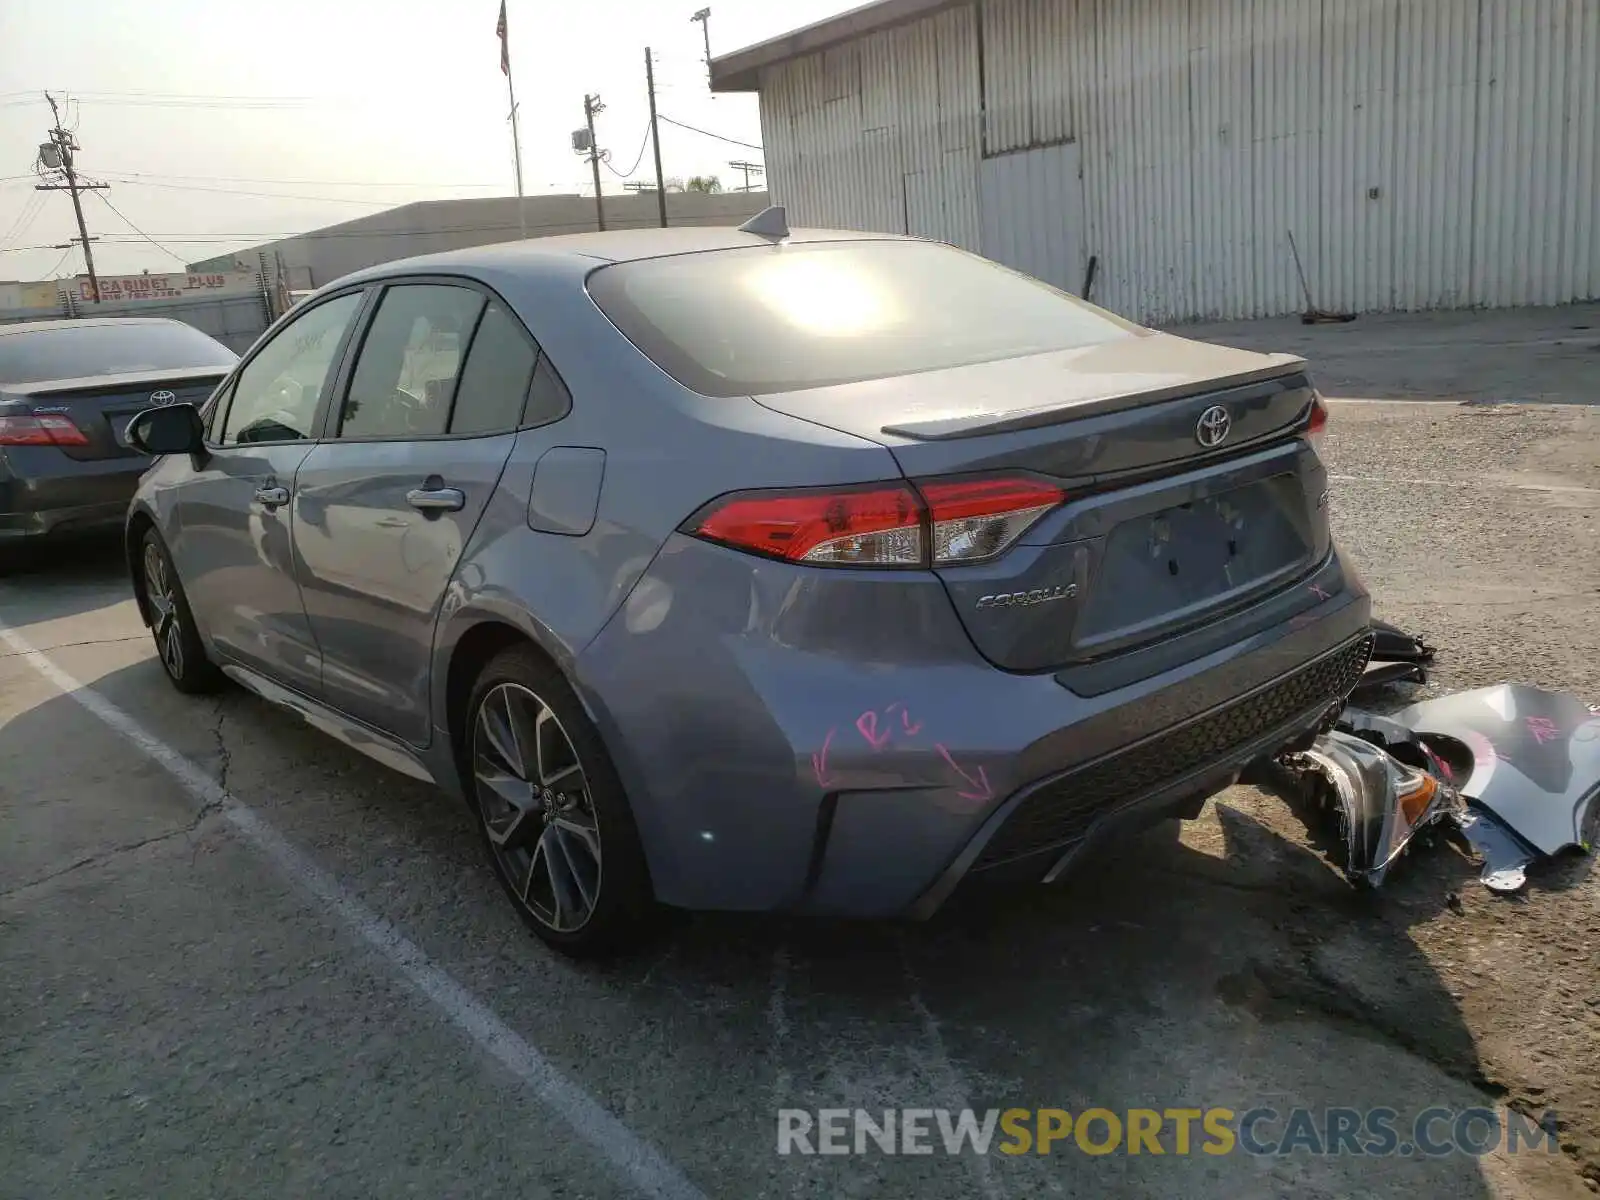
column 272, row 497
column 443, row 499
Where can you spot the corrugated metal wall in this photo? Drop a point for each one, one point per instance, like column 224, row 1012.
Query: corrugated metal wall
column 1030, row 209
column 1423, row 153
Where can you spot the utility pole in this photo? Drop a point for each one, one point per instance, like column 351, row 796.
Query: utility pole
column 749, row 169
column 655, row 135
column 56, row 154
column 592, row 105
column 704, row 17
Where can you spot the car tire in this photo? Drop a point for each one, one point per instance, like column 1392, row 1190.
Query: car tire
column 552, row 813
column 178, row 646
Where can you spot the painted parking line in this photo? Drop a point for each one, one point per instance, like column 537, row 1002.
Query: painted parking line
column 634, row 1160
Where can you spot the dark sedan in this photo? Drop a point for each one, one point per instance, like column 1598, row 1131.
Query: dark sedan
column 67, row 390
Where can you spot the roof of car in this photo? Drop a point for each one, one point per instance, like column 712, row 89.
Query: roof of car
column 619, row 245
column 83, row 323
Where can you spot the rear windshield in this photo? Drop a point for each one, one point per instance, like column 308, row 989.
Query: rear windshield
column 112, row 349
column 782, row 318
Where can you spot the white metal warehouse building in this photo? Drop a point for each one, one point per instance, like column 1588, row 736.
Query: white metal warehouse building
column 1423, row 153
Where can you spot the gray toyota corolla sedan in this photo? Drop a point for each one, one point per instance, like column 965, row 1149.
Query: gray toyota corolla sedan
column 755, row 569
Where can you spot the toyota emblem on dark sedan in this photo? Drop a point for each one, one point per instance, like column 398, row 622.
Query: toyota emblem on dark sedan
column 1211, row 429
column 163, row 398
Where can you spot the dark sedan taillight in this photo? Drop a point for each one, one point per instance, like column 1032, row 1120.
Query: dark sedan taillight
column 1319, row 421
column 932, row 522
column 42, row 429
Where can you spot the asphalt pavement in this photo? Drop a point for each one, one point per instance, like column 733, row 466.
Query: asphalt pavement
column 238, row 959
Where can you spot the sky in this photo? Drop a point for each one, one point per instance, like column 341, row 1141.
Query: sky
column 220, row 125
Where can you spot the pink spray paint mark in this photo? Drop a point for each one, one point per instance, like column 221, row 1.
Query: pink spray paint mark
column 819, row 762
column 1318, row 592
column 979, row 786
column 911, row 728
column 1543, row 729
column 867, row 724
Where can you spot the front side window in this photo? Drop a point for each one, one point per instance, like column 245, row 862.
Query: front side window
column 275, row 396
column 405, row 376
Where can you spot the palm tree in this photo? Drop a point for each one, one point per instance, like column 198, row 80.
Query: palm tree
column 706, row 184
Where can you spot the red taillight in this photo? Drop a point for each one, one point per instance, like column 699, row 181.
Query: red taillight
column 975, row 519
column 881, row 525
column 1319, row 420
column 46, row 429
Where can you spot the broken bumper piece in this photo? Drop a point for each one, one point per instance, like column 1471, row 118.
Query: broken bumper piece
column 1516, row 768
column 1528, row 757
column 1397, row 657
column 1381, row 803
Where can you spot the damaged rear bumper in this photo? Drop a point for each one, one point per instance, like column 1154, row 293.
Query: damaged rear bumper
column 1042, row 830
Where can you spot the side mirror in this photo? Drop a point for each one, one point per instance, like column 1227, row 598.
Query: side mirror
column 174, row 429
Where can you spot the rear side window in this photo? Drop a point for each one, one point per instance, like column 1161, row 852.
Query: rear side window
column 405, row 377
column 786, row 317
column 549, row 400
column 495, row 381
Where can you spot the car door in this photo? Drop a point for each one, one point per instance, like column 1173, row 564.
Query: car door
column 385, row 504
column 235, row 549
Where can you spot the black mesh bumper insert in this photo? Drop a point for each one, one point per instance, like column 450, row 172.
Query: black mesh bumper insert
column 1064, row 811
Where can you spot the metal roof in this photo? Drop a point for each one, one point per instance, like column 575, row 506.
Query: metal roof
column 617, row 245
column 740, row 71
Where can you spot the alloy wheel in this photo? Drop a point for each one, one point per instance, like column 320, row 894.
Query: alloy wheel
column 162, row 597
column 533, row 798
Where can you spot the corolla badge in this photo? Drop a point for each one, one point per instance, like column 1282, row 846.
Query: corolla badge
column 1211, row 430
column 1029, row 598
column 163, row 398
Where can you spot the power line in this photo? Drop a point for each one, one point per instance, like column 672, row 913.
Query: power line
column 644, row 144
column 25, row 218
column 709, row 134
column 138, row 100
column 51, row 273
column 335, row 232
column 293, row 182
column 196, row 187
column 139, row 231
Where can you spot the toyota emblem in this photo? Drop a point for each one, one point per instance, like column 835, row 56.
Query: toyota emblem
column 163, row 398
column 1211, row 430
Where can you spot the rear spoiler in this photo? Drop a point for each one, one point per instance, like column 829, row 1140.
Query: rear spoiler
column 1287, row 374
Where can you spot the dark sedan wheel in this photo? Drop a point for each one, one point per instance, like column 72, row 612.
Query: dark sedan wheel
column 178, row 644
column 557, row 826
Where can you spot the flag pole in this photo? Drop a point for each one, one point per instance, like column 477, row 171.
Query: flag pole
column 511, row 96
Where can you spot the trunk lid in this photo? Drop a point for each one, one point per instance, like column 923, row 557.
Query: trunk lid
column 1161, row 532
column 102, row 405
column 1121, row 405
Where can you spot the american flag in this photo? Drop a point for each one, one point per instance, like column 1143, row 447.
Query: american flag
column 505, row 46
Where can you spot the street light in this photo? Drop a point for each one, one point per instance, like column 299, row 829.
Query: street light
column 704, row 17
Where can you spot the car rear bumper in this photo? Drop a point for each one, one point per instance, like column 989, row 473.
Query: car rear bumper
column 42, row 491
column 793, row 746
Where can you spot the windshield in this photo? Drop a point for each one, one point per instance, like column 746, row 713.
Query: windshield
column 73, row 351
column 786, row 317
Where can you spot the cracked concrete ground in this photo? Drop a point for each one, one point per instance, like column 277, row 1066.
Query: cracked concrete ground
column 177, row 1020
